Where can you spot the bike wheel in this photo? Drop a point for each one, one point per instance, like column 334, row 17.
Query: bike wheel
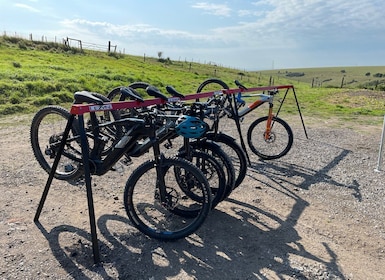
column 46, row 134
column 234, row 152
column 168, row 219
column 213, row 85
column 213, row 172
column 139, row 87
column 116, row 96
column 222, row 158
column 277, row 144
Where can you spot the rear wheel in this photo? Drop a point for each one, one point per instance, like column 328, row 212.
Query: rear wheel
column 47, row 129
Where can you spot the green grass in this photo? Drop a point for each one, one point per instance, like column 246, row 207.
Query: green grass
column 372, row 77
column 35, row 74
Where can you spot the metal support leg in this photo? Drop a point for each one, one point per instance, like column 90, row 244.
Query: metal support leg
column 298, row 109
column 234, row 112
column 87, row 174
column 53, row 169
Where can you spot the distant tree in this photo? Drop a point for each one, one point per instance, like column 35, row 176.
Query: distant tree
column 160, row 55
column 367, row 74
column 343, row 71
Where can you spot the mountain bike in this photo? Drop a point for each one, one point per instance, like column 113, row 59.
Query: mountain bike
column 175, row 197
column 269, row 137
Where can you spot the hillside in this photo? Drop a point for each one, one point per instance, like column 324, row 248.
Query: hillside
column 370, row 77
column 35, row 74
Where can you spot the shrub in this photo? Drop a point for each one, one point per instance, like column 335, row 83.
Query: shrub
column 15, row 99
column 16, row 64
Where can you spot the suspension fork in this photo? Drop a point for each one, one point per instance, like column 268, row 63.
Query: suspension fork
column 269, row 123
column 160, row 182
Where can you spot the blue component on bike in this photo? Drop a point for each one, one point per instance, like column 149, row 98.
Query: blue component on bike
column 239, row 99
column 190, row 127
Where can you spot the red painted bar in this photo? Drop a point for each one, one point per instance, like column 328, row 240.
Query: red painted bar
column 80, row 109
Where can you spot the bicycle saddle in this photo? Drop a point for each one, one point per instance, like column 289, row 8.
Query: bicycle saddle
column 131, row 93
column 155, row 92
column 171, row 90
column 86, row 97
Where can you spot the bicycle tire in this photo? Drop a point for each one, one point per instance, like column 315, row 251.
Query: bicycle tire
column 115, row 95
column 213, row 84
column 150, row 216
column 278, row 144
column 234, row 151
column 215, row 150
column 47, row 128
column 213, row 172
column 208, row 84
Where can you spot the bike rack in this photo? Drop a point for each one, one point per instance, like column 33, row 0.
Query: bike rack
column 81, row 109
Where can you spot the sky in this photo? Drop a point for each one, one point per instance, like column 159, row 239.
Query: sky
column 247, row 35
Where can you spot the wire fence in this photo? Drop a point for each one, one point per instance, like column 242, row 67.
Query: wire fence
column 69, row 42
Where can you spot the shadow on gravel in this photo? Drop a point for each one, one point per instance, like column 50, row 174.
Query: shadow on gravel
column 244, row 242
column 283, row 171
column 227, row 247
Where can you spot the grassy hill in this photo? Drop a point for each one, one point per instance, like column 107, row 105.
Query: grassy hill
column 35, row 74
column 371, row 77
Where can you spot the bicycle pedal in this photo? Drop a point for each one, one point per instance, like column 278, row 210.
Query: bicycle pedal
column 118, row 168
column 126, row 161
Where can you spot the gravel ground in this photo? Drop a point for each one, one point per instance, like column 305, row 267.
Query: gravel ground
column 317, row 213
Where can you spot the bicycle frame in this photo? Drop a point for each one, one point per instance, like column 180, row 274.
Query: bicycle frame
column 128, row 144
column 251, row 107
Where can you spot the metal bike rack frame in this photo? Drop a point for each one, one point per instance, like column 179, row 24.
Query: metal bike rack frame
column 81, row 109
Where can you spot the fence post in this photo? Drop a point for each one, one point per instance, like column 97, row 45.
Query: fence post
column 378, row 169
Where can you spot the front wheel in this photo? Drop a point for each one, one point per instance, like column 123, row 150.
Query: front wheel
column 177, row 214
column 271, row 144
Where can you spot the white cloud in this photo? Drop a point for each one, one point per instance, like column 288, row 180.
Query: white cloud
column 27, row 7
column 213, row 9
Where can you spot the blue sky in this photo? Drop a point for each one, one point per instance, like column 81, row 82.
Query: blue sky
column 249, row 35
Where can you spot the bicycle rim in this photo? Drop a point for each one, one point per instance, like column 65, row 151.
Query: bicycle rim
column 275, row 145
column 46, row 134
column 172, row 218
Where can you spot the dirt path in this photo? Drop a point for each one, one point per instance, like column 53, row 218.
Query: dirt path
column 317, row 213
